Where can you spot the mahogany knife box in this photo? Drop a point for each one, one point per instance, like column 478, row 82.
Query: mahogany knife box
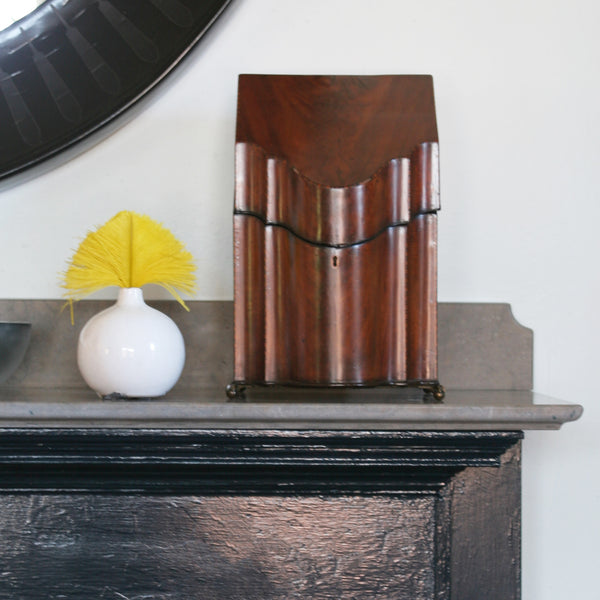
column 335, row 231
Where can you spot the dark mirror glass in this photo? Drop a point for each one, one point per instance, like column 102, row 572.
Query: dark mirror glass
column 71, row 66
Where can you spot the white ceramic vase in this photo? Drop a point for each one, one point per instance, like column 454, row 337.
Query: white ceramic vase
column 130, row 349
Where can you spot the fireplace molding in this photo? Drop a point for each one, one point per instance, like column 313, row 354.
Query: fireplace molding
column 362, row 493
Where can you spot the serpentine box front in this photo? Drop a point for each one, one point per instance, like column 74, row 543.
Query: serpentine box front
column 335, row 231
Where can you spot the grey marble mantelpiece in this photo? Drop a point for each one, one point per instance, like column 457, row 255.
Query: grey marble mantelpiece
column 461, row 410
column 485, row 361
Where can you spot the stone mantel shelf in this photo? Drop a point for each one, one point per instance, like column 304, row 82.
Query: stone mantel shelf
column 484, row 410
column 484, row 355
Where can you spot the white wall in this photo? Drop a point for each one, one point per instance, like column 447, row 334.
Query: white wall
column 518, row 103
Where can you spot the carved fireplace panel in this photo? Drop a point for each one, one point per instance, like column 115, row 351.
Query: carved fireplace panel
column 256, row 515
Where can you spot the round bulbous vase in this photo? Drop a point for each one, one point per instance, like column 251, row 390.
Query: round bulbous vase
column 130, row 349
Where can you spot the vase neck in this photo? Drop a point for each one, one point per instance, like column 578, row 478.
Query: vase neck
column 130, row 297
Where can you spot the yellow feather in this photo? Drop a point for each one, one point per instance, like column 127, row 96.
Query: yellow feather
column 130, row 250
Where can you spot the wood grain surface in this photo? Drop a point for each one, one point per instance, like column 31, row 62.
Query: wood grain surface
column 335, row 231
column 336, row 130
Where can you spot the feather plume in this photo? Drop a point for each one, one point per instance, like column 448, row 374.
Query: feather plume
column 130, row 250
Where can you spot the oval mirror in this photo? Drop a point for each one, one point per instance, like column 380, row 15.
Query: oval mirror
column 71, row 66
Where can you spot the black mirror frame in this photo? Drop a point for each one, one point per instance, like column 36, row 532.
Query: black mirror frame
column 72, row 66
